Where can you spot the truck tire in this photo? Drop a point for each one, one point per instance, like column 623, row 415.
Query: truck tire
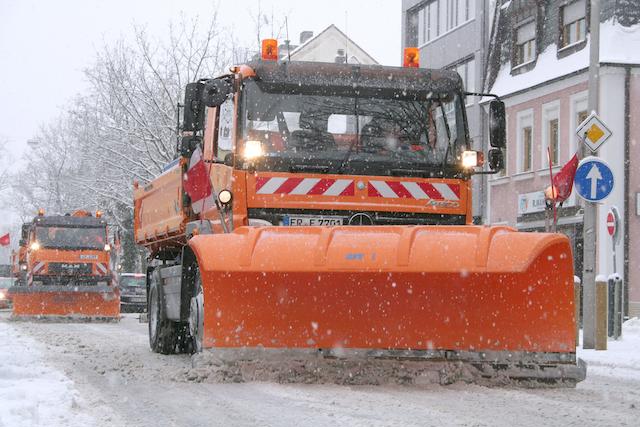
column 164, row 335
column 196, row 314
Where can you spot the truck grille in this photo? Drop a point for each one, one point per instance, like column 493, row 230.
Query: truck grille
column 70, row 268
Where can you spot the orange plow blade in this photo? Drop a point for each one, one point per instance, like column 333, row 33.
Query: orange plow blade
column 485, row 295
column 85, row 303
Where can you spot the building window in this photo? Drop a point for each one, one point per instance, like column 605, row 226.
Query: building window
column 525, row 141
column 439, row 16
column 527, row 136
column 577, row 114
column 525, row 43
column 574, row 23
column 581, row 116
column 467, row 71
column 551, row 133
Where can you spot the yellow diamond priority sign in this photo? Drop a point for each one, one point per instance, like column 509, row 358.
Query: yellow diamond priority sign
column 593, row 132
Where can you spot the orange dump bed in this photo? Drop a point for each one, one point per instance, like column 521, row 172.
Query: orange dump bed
column 465, row 288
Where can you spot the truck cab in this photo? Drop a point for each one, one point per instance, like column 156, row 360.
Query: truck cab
column 299, row 144
column 68, row 250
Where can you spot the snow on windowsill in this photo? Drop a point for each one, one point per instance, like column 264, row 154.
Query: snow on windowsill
column 618, row 45
column 497, row 180
column 521, row 176
column 524, row 64
column 545, row 171
column 569, row 46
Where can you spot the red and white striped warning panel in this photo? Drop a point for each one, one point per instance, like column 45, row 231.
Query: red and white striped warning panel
column 37, row 267
column 305, row 186
column 414, row 190
column 101, row 268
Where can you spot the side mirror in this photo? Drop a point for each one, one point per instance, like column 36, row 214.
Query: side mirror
column 193, row 108
column 496, row 159
column 497, row 124
column 216, row 92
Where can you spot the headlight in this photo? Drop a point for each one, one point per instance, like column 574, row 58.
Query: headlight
column 225, row 197
column 107, row 247
column 3, row 295
column 102, row 283
column 469, row 159
column 37, row 283
column 252, row 149
column 23, row 267
column 35, row 246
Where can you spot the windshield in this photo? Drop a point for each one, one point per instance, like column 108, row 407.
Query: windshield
column 133, row 281
column 365, row 134
column 71, row 237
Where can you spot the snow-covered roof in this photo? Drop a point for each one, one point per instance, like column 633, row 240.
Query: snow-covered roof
column 335, row 38
column 618, row 45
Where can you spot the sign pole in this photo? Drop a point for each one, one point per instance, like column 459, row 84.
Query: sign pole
column 590, row 209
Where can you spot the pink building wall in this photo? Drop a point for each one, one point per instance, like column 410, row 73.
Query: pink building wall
column 504, row 191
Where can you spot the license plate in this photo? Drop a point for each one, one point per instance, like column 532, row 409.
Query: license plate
column 299, row 220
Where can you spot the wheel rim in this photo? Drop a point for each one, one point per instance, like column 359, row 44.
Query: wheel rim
column 196, row 317
column 153, row 313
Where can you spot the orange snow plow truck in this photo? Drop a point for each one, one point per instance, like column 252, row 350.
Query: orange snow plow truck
column 324, row 210
column 64, row 270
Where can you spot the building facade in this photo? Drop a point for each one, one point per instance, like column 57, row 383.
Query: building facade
column 454, row 34
column 538, row 64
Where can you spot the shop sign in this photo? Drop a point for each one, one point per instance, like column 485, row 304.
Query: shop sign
column 531, row 202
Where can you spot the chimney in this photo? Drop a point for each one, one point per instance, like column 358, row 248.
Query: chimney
column 305, row 35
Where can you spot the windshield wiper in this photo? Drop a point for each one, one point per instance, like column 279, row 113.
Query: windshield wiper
column 309, row 168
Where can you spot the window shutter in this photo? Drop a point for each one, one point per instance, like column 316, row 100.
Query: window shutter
column 526, row 32
column 574, row 11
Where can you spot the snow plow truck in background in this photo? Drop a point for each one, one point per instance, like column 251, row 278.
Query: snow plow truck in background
column 324, row 210
column 64, row 269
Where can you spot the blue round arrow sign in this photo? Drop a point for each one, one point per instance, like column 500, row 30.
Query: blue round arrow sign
column 594, row 179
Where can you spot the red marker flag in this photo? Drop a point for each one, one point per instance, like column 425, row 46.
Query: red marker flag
column 563, row 180
column 5, row 240
column 197, row 183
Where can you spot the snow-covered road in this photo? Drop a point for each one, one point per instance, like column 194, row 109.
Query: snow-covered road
column 105, row 375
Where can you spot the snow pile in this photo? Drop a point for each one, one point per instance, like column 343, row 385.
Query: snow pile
column 618, row 45
column 32, row 393
column 622, row 357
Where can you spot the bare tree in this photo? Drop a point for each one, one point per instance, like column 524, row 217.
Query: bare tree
column 125, row 126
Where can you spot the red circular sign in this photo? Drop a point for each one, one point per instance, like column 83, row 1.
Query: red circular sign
column 611, row 223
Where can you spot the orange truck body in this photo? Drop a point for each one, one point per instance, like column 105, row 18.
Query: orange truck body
column 69, row 278
column 419, row 279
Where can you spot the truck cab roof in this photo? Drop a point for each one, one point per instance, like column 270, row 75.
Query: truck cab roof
column 292, row 76
column 69, row 221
